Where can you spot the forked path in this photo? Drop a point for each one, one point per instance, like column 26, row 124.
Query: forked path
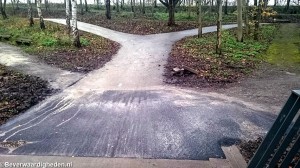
column 124, row 110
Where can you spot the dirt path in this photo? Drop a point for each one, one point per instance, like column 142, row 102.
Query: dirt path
column 125, row 110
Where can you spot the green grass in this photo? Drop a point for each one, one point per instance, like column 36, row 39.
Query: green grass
column 184, row 16
column 54, row 37
column 237, row 58
column 285, row 49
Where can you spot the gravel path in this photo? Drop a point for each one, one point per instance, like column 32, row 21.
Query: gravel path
column 125, row 110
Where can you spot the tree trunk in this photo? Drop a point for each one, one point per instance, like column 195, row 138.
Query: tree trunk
column 219, row 28
column 107, row 5
column 200, row 19
column 86, row 6
column 246, row 9
column 68, row 17
column 98, row 4
column 171, row 7
column 46, row 5
column 226, row 7
column 75, row 32
column 42, row 23
column 17, row 8
column 118, row 8
column 210, row 6
column 239, row 21
column 257, row 20
column 2, row 9
column 155, row 3
column 30, row 18
column 122, row 4
column 81, row 7
column 143, row 9
column 189, row 9
column 287, row 5
column 13, row 6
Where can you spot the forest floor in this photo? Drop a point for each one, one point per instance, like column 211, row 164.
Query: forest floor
column 141, row 24
column 54, row 46
column 19, row 92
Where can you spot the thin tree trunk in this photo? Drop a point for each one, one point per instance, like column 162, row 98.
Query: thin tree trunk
column 30, row 18
column 155, row 3
column 219, row 28
column 42, row 23
column 98, row 4
column 13, row 6
column 81, row 7
column 152, row 8
column 246, row 9
column 226, row 7
column 108, row 14
column 210, row 6
column 189, row 8
column 287, row 5
column 2, row 10
column 122, row 4
column 75, row 32
column 117, row 4
column 143, row 9
column 257, row 20
column 86, row 6
column 46, row 5
column 17, row 8
column 68, row 17
column 200, row 19
column 133, row 7
column 171, row 7
column 239, row 20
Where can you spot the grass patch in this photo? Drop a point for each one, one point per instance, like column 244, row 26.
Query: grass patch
column 285, row 49
column 236, row 60
column 54, row 46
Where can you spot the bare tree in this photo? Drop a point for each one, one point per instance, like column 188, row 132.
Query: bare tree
column 143, row 7
column 239, row 21
column 246, row 11
column 107, row 5
column 2, row 9
column 117, row 5
column 219, row 27
column 170, row 4
column 81, row 7
column 226, row 7
column 30, row 18
column 200, row 19
column 257, row 20
column 133, row 7
column 68, row 17
column 287, row 5
column 86, row 6
column 75, row 32
column 46, row 5
column 189, row 8
column 13, row 6
column 42, row 23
